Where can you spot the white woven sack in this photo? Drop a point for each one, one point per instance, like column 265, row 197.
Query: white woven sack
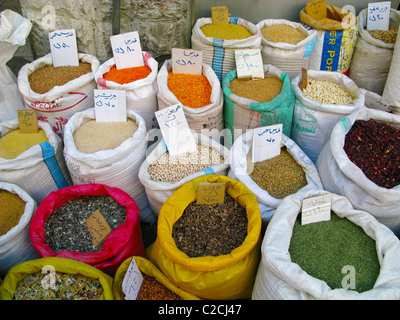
column 208, row 117
column 341, row 176
column 159, row 192
column 313, row 121
column 289, row 58
column 38, row 170
column 116, row 168
column 14, row 29
column 278, row 278
column 371, row 58
column 242, row 148
column 141, row 95
column 219, row 53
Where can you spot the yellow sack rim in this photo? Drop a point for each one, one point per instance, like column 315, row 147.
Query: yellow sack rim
column 346, row 19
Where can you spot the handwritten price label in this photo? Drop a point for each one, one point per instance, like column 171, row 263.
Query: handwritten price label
column 378, row 15
column 127, row 51
column 187, row 61
column 249, row 64
column 27, row 121
column 317, row 9
column 110, row 105
column 267, row 142
column 98, row 227
column 219, row 14
column 210, row 193
column 63, row 48
column 317, row 208
column 132, row 281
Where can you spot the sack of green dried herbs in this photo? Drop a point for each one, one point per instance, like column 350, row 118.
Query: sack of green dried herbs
column 272, row 180
column 352, row 256
column 55, row 278
column 361, row 162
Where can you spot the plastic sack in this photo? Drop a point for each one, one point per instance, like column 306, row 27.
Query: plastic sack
column 239, row 152
column 335, row 42
column 343, row 177
column 146, row 267
column 287, row 57
column 313, row 121
column 14, row 29
column 208, row 117
column 141, row 95
column 116, row 168
column 223, row 277
column 40, row 169
column 15, row 245
column 62, row 265
column 278, row 278
column 242, row 113
column 121, row 243
column 220, row 53
column 159, row 192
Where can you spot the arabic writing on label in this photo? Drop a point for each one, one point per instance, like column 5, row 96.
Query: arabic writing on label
column 127, row 51
column 378, row 15
column 187, row 61
column 110, row 105
column 64, row 48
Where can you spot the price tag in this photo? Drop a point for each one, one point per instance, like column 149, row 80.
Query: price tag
column 219, row 14
column 98, row 227
column 317, row 9
column 63, row 48
column 132, row 281
column 210, row 193
column 249, row 64
column 175, row 130
column 187, row 61
column 304, row 79
column 127, row 51
column 27, row 121
column 267, row 142
column 315, row 209
column 110, row 105
column 378, row 15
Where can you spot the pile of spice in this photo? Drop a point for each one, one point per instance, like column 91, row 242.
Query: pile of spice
column 12, row 207
column 226, row 31
column 260, row 90
column 93, row 136
column 324, row 91
column 323, row 248
column 282, row 33
column 151, row 289
column 66, row 227
column 174, row 168
column 127, row 75
column 45, row 79
column 375, row 148
column 387, row 36
column 211, row 230
column 66, row 287
column 280, row 176
column 191, row 90
column 13, row 143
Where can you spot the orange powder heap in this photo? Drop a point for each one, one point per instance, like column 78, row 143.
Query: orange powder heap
column 127, row 75
column 191, row 90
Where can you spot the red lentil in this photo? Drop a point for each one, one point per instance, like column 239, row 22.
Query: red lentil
column 151, row 289
column 127, row 75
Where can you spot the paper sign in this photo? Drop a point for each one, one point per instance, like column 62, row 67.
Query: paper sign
column 219, row 14
column 378, row 15
column 110, row 105
column 187, row 61
column 27, row 121
column 249, row 64
column 175, row 130
column 317, row 9
column 210, row 193
column 127, row 51
column 267, row 142
column 315, row 209
column 98, row 227
column 304, row 78
column 63, row 48
column 132, row 281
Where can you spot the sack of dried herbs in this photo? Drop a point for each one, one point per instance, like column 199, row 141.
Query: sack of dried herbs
column 350, row 257
column 362, row 163
column 214, row 276
column 55, row 278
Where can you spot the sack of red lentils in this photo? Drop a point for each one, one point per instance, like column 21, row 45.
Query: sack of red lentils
column 16, row 211
column 337, row 36
column 361, row 161
column 200, row 95
column 286, row 45
column 218, row 42
column 109, row 153
column 328, row 97
column 140, row 84
column 351, row 256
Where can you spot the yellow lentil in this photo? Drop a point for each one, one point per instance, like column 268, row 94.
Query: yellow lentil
column 388, row 36
column 13, row 143
column 282, row 33
column 12, row 208
column 329, row 21
column 226, row 31
column 260, row 90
